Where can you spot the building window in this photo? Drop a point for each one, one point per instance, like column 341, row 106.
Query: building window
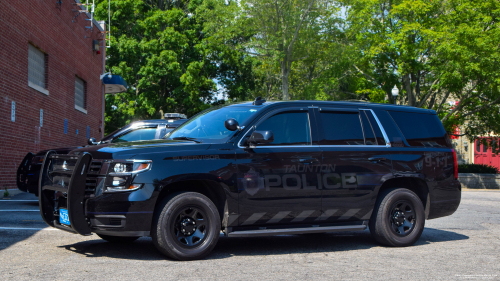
column 37, row 66
column 80, row 95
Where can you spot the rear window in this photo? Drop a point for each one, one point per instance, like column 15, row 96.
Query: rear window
column 420, row 129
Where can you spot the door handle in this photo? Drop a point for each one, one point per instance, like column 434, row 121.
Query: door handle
column 308, row 161
column 377, row 159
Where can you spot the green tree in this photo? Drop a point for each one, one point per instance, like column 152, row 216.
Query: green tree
column 281, row 35
column 170, row 64
column 435, row 52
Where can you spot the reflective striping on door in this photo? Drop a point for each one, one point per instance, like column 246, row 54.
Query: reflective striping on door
column 253, row 218
column 302, row 216
column 231, row 219
column 286, row 215
column 349, row 214
column 368, row 215
column 327, row 214
column 278, row 217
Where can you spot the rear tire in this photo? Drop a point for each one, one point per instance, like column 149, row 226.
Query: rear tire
column 186, row 226
column 118, row 239
column 398, row 218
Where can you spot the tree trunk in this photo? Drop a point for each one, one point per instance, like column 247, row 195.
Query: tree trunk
column 409, row 92
column 285, row 76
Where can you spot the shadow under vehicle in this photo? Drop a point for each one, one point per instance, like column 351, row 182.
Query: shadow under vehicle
column 28, row 171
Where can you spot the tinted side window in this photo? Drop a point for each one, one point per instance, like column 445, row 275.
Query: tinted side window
column 289, row 128
column 420, row 129
column 138, row 135
column 367, row 129
column 376, row 128
column 341, row 128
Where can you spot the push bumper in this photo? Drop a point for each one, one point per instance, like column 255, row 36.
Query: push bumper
column 63, row 187
column 116, row 214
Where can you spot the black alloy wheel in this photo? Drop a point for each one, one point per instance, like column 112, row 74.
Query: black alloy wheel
column 403, row 217
column 186, row 226
column 398, row 218
column 190, row 226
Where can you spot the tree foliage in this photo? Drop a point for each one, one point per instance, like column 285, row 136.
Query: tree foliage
column 171, row 65
column 434, row 52
column 177, row 55
column 299, row 45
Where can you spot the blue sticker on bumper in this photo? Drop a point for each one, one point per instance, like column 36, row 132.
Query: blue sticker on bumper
column 63, row 217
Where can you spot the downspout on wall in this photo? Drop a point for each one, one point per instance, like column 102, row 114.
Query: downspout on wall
column 103, row 98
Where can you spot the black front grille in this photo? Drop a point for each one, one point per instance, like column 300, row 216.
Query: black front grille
column 95, row 167
column 90, row 186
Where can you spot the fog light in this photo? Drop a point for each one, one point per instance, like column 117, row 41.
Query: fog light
column 123, row 188
column 117, row 181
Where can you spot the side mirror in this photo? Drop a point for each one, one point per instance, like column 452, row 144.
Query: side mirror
column 92, row 141
column 232, row 125
column 261, row 137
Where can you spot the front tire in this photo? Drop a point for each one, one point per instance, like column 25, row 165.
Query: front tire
column 187, row 226
column 398, row 218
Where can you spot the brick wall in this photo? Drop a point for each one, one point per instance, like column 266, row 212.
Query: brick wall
column 68, row 49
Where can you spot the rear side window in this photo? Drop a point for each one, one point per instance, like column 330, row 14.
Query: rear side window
column 420, row 129
column 341, row 128
column 367, row 129
column 376, row 128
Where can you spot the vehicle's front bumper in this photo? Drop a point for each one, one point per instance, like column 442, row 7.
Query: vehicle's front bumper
column 122, row 211
column 129, row 213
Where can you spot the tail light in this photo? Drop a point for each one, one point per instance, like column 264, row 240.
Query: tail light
column 455, row 163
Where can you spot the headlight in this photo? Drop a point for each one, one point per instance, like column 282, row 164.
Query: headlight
column 122, row 173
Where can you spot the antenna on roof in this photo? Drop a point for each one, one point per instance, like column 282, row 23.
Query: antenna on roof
column 86, row 11
column 258, row 101
column 91, row 10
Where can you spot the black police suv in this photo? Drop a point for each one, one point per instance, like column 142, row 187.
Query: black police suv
column 260, row 168
column 29, row 170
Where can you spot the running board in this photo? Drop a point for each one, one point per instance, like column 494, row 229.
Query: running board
column 286, row 231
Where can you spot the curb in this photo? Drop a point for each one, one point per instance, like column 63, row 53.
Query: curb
column 479, row 181
column 12, row 192
column 479, row 190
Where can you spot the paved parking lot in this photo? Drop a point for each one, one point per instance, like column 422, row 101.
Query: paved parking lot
column 464, row 246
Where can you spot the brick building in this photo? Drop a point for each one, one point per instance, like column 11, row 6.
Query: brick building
column 51, row 94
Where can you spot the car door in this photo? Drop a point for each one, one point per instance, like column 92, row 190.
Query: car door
column 278, row 182
column 356, row 162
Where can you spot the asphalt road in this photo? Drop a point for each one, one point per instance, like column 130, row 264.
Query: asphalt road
column 464, row 246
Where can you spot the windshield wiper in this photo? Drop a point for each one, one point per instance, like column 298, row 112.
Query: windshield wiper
column 187, row 138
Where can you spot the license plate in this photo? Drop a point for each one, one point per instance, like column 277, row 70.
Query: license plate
column 63, row 217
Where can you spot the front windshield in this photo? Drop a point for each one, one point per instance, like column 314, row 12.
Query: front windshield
column 208, row 126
